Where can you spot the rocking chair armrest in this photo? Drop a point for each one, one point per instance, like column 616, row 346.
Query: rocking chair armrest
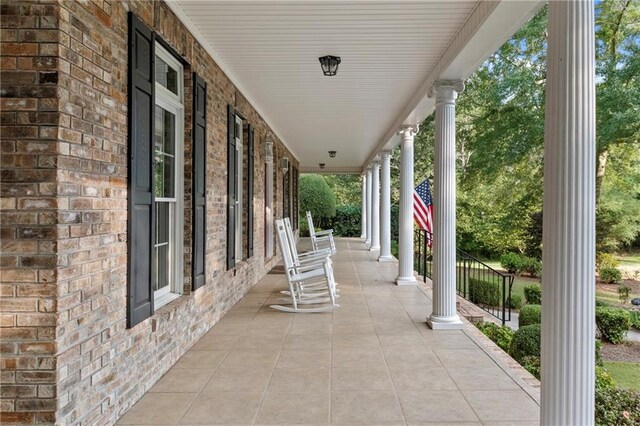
column 320, row 258
column 311, row 266
column 324, row 232
column 314, row 253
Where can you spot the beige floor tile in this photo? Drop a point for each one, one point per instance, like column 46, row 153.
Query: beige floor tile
column 213, row 342
column 201, row 359
column 239, row 379
column 356, row 340
column 291, row 358
column 310, row 379
column 498, row 405
column 364, row 407
column 444, row 339
column 158, row 409
column 307, row 342
column 354, row 357
column 223, row 408
column 464, row 358
column 412, row 378
column 486, row 378
column 417, row 357
column 435, row 406
column 353, row 328
column 183, row 380
column 271, row 341
column 361, row 379
column 294, row 408
column 241, row 358
column 408, row 341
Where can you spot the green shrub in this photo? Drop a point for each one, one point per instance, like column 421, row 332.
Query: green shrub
column 603, row 379
column 598, row 353
column 616, row 406
column 531, row 267
column 533, row 294
column 532, row 365
column 501, row 336
column 606, row 260
column 610, row 275
column 526, row 342
column 346, row 222
column 635, row 319
column 512, row 262
column 613, row 324
column 316, row 196
column 530, row 314
column 600, row 302
column 515, row 302
column 623, row 293
column 484, row 292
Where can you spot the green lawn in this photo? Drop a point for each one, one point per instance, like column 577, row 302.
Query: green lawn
column 626, row 374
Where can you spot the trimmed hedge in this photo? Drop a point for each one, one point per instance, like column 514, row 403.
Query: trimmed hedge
column 613, row 323
column 516, row 301
column 526, row 342
column 533, row 294
column 485, row 292
column 521, row 264
column 530, row 314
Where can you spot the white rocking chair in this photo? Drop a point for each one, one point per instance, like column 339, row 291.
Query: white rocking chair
column 320, row 239
column 319, row 271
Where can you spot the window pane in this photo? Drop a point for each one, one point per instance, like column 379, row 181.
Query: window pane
column 166, row 76
column 165, row 136
column 163, row 246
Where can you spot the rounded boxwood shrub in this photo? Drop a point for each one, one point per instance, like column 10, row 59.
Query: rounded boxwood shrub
column 531, row 267
column 613, row 323
column 512, row 262
column 515, row 302
column 530, row 314
column 526, row 342
column 533, row 294
column 532, row 365
column 316, row 196
column 610, row 275
column 484, row 292
column 616, row 406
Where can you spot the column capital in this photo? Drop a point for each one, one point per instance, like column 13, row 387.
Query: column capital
column 408, row 130
column 446, row 90
column 385, row 155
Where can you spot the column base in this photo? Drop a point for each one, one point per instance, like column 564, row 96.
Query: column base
column 406, row 281
column 367, row 241
column 436, row 322
column 363, row 237
column 374, row 248
column 386, row 258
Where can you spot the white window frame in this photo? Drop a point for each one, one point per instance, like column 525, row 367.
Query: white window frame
column 173, row 103
column 239, row 187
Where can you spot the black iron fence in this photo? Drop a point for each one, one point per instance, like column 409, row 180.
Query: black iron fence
column 475, row 280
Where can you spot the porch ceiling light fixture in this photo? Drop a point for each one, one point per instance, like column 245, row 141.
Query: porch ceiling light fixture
column 332, row 154
column 329, row 64
column 267, row 149
column 321, row 165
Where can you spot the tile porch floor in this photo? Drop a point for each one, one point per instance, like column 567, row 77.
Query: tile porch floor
column 373, row 361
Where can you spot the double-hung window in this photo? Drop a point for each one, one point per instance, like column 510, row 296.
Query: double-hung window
column 239, row 188
column 168, row 166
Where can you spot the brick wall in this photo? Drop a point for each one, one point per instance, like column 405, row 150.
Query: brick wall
column 66, row 350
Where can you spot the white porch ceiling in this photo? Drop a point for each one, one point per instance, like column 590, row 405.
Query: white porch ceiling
column 270, row 50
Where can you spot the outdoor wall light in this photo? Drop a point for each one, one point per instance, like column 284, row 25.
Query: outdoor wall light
column 284, row 163
column 329, row 65
column 267, row 149
column 321, row 165
column 332, row 154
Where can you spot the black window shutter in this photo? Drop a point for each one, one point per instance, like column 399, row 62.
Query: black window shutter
column 199, row 180
column 141, row 203
column 250, row 172
column 232, row 181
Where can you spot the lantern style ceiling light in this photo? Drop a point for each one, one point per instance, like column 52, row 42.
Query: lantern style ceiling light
column 321, row 165
column 329, row 65
column 332, row 154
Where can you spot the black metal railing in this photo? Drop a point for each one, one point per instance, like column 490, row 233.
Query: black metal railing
column 475, row 280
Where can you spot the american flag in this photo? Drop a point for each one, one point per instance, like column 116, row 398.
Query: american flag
column 423, row 207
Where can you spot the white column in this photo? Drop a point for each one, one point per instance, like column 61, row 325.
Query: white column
column 568, row 256
column 269, row 209
column 405, row 232
column 444, row 315
column 363, row 213
column 375, row 206
column 368, row 237
column 385, row 208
